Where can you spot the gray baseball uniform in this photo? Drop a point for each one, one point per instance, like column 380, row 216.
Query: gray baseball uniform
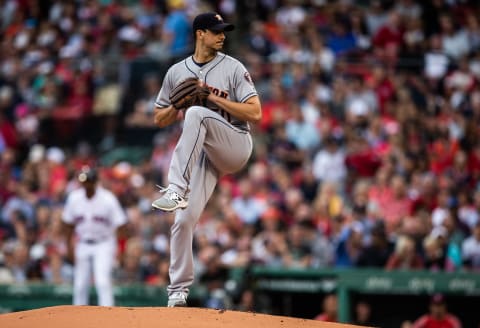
column 213, row 143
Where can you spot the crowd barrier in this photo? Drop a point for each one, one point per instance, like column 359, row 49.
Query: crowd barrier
column 19, row 297
column 345, row 283
column 266, row 281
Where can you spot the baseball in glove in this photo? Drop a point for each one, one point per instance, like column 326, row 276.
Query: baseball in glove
column 189, row 92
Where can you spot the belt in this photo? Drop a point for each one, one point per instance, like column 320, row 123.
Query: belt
column 93, row 241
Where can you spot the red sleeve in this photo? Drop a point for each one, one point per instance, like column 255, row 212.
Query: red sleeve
column 379, row 37
column 392, row 262
column 417, row 263
column 9, row 134
column 421, row 322
column 321, row 317
column 454, row 322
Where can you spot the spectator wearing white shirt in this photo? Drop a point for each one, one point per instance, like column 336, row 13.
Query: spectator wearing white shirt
column 441, row 211
column 329, row 164
column 360, row 91
column 290, row 15
column 455, row 42
column 408, row 9
column 245, row 205
column 472, row 29
column 360, row 103
column 321, row 54
column 375, row 17
column 300, row 132
column 471, row 249
column 436, row 62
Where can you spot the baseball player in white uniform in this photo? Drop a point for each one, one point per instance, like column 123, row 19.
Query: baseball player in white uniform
column 215, row 139
column 94, row 214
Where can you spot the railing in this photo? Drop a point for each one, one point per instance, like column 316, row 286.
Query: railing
column 264, row 280
column 21, row 297
column 366, row 281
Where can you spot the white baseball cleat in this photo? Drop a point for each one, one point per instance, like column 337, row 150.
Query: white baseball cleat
column 170, row 201
column 177, row 299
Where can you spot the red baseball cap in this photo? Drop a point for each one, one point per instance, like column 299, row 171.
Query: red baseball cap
column 437, row 299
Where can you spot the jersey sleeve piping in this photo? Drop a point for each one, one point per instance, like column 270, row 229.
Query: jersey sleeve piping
column 251, row 94
column 186, row 65
column 161, row 105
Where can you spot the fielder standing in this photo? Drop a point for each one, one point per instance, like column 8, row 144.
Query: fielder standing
column 215, row 140
column 94, row 214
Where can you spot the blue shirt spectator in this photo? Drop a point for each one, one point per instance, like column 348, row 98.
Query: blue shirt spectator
column 177, row 29
column 341, row 40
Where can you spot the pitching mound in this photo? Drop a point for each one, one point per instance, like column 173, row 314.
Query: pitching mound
column 150, row 317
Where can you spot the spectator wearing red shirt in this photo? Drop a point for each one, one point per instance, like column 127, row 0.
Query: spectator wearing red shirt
column 441, row 153
column 427, row 193
column 395, row 205
column 8, row 133
column 380, row 82
column 330, row 309
column 361, row 159
column 389, row 39
column 380, row 190
column 275, row 109
column 56, row 176
column 438, row 316
column 473, row 162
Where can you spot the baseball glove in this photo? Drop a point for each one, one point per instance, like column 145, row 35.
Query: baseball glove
column 189, row 92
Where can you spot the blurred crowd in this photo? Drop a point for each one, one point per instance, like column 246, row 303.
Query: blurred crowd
column 367, row 155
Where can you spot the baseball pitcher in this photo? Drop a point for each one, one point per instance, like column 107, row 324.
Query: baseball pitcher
column 217, row 98
column 94, row 214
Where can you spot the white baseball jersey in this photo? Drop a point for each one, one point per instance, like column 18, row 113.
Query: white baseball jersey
column 96, row 218
column 225, row 76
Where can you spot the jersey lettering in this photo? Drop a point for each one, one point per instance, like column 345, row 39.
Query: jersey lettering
column 101, row 220
column 218, row 92
column 224, row 95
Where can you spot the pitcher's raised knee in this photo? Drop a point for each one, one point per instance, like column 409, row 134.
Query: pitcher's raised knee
column 196, row 113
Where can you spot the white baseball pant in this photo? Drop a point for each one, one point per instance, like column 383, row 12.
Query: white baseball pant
column 99, row 257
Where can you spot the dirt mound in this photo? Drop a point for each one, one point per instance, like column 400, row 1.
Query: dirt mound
column 150, row 317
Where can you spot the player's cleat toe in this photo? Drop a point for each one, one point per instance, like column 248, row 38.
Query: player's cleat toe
column 177, row 299
column 170, row 201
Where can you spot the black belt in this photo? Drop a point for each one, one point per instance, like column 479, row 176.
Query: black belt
column 93, row 241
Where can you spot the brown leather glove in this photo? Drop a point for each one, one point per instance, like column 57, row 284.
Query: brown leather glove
column 189, row 92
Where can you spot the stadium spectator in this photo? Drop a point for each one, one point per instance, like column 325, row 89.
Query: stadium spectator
column 454, row 41
column 405, row 256
column 340, row 39
column 303, row 134
column 299, row 252
column 395, row 204
column 246, row 206
column 438, row 316
column 349, row 245
column 388, row 40
column 363, row 314
column 176, row 29
column 434, row 253
column 142, row 114
column 329, row 164
column 379, row 249
column 329, row 309
column 471, row 249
